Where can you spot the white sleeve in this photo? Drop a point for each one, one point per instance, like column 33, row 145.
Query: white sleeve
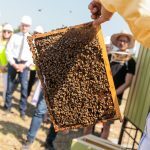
column 136, row 13
column 30, row 61
column 9, row 49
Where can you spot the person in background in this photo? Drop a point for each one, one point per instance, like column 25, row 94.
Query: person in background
column 37, row 119
column 32, row 76
column 122, row 71
column 40, row 112
column 6, row 34
column 19, row 59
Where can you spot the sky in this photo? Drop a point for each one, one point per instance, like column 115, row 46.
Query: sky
column 53, row 14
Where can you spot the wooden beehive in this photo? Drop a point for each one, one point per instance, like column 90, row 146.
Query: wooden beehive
column 75, row 74
column 91, row 142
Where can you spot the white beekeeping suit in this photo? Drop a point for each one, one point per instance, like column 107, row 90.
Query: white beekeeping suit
column 145, row 140
column 136, row 13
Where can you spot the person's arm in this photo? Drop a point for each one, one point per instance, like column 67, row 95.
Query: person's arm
column 135, row 12
column 131, row 66
column 123, row 87
column 9, row 48
column 9, row 56
column 99, row 13
column 30, row 59
column 21, row 67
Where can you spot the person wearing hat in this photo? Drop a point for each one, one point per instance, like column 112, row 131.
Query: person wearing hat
column 40, row 112
column 122, row 72
column 7, row 31
column 6, row 34
column 38, row 30
column 128, row 40
column 19, row 59
column 37, row 119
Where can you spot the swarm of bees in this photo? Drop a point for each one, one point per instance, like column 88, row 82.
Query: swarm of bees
column 77, row 86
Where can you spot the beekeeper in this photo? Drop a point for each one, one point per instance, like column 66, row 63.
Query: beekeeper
column 135, row 12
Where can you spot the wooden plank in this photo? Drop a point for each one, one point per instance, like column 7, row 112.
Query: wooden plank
column 109, row 74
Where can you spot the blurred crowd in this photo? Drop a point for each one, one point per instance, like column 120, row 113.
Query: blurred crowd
column 17, row 67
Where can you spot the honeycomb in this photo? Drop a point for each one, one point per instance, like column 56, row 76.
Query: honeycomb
column 73, row 73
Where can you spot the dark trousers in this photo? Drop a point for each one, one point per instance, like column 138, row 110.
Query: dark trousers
column 23, row 79
column 32, row 79
column 51, row 135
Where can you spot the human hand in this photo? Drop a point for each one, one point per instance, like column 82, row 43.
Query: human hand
column 21, row 67
column 99, row 13
column 15, row 66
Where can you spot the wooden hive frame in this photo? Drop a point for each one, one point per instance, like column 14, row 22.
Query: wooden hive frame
column 36, row 55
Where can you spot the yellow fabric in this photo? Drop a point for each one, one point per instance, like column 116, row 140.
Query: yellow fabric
column 33, row 67
column 3, row 58
column 137, row 15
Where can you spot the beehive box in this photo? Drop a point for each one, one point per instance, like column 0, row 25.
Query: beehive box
column 91, row 142
column 75, row 74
